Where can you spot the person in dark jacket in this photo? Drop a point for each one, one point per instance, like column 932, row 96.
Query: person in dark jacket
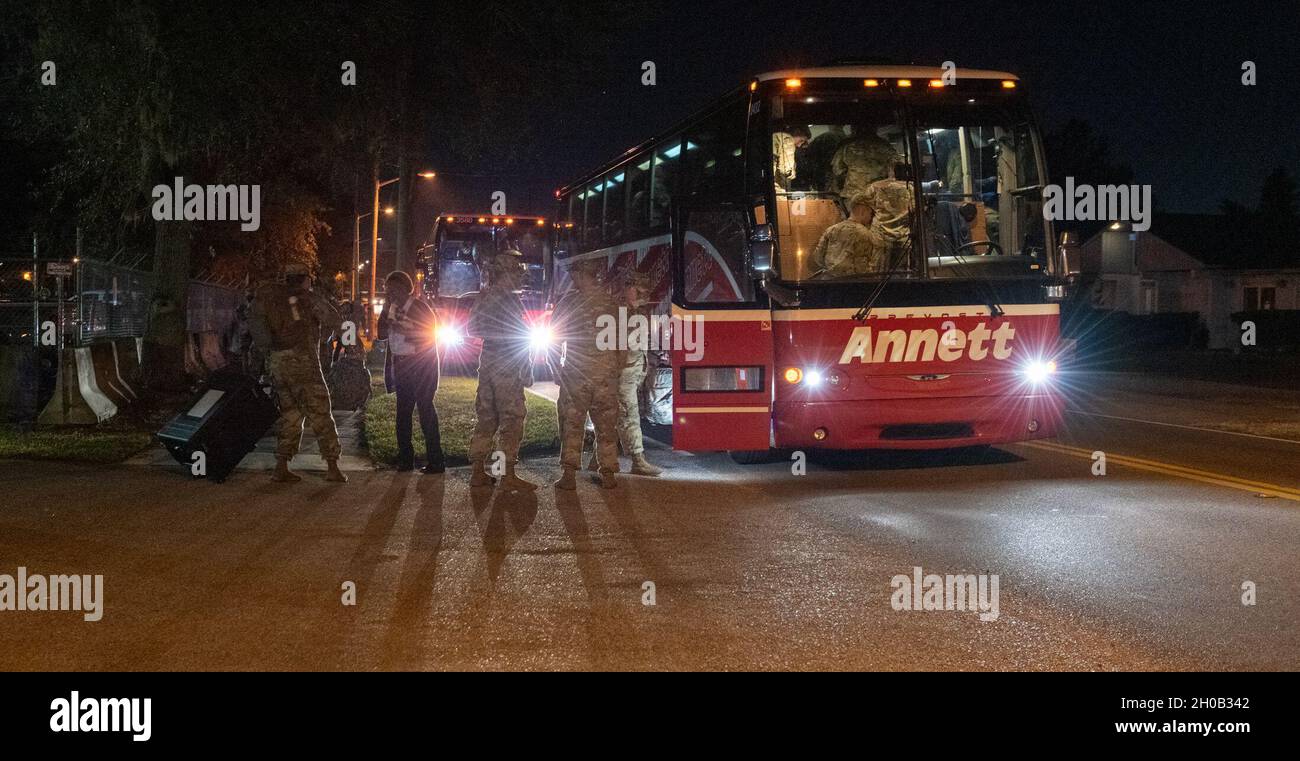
column 408, row 324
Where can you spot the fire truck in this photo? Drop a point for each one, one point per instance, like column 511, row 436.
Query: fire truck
column 935, row 326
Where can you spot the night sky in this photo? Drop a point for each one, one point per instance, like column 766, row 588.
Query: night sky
column 1161, row 80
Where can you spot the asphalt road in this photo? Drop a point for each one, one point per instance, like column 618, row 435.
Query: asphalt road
column 752, row 566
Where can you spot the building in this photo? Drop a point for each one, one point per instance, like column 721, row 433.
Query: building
column 1180, row 266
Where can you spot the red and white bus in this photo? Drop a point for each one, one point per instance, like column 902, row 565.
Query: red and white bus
column 949, row 340
column 450, row 270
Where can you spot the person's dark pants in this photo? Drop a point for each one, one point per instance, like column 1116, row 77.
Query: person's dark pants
column 416, row 380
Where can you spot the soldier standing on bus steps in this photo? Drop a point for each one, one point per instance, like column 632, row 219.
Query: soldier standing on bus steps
column 287, row 322
column 589, row 374
column 634, row 296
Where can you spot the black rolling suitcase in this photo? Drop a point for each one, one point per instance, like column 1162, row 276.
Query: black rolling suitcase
column 224, row 422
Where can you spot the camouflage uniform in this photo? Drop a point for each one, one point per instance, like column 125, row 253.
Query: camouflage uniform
column 860, row 161
column 288, row 327
column 631, row 375
column 783, row 158
column 892, row 202
column 849, row 248
column 503, row 367
column 588, row 378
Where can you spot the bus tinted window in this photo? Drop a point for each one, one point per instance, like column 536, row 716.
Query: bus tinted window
column 715, row 167
column 593, row 236
column 615, row 205
column 638, row 201
column 663, row 176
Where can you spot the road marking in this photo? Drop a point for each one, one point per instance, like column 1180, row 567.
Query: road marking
column 1187, row 427
column 1178, row 471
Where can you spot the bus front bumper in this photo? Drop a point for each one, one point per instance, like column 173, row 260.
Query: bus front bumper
column 934, row 423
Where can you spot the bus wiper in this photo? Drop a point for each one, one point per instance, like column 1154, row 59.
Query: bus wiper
column 991, row 300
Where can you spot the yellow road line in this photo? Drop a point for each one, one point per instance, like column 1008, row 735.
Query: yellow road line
column 1178, row 471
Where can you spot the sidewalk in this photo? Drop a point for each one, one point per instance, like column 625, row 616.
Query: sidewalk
column 262, row 458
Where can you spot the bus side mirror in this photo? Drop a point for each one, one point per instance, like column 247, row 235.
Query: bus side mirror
column 760, row 249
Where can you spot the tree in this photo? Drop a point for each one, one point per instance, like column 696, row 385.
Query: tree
column 149, row 91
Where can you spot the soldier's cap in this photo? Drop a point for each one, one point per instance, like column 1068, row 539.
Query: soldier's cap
column 296, row 268
column 862, row 199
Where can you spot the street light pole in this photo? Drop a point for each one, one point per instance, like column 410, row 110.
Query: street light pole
column 373, row 319
column 356, row 256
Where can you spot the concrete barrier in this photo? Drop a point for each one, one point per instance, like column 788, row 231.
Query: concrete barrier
column 77, row 397
column 103, row 358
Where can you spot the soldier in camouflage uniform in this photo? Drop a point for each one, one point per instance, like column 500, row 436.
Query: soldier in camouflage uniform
column 860, row 161
column 635, row 298
column 287, row 322
column 851, row 247
column 504, row 369
column 589, row 374
column 892, row 203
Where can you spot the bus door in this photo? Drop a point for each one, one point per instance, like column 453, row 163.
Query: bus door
column 722, row 345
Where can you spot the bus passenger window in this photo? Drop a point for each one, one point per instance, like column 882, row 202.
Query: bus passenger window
column 638, row 192
column 615, row 189
column 594, row 235
column 663, row 174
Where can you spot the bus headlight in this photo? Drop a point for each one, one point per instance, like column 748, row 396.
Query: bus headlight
column 1038, row 371
column 540, row 337
column 449, row 335
column 809, row 378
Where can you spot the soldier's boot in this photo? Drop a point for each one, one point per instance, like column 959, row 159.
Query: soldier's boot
column 607, row 480
column 568, row 480
column 642, row 467
column 515, row 483
column 282, row 472
column 332, row 472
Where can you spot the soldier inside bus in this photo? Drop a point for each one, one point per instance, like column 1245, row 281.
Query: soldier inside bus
column 851, row 247
column 813, row 162
column 785, row 144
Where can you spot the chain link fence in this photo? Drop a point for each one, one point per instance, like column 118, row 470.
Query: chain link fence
column 114, row 301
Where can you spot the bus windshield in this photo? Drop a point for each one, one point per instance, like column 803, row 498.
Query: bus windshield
column 840, row 212
column 462, row 248
column 845, row 198
column 982, row 187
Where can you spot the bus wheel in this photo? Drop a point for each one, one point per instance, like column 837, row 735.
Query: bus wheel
column 751, row 457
